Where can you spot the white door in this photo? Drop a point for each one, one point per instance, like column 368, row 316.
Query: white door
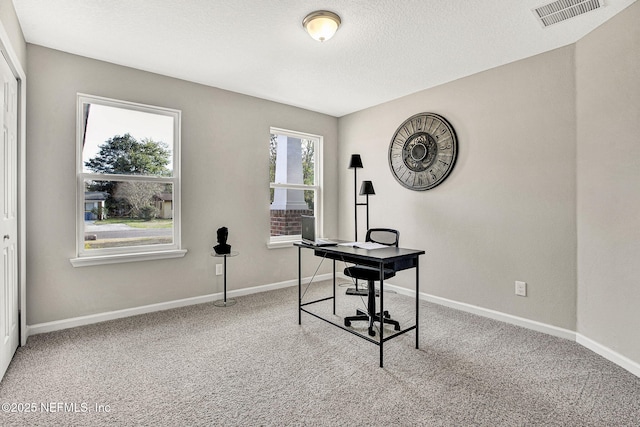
column 8, row 217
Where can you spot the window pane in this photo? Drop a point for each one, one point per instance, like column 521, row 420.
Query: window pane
column 287, row 208
column 127, row 213
column 124, row 141
column 292, row 160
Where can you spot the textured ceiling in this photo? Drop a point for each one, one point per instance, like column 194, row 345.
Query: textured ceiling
column 384, row 49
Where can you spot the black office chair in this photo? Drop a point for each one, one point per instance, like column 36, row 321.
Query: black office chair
column 385, row 236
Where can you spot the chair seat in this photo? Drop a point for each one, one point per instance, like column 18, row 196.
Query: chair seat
column 363, row 272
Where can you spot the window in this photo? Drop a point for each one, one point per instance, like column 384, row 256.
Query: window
column 295, row 184
column 128, row 182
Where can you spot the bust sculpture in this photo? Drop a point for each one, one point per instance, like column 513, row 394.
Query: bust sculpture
column 222, row 247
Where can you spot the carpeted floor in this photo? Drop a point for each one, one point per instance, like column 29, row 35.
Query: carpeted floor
column 253, row 365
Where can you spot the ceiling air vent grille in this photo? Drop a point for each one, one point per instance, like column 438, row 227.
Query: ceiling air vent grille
column 562, row 10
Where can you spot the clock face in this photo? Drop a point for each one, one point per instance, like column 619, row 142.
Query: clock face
column 423, row 151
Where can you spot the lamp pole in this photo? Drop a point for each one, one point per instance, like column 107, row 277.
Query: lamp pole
column 367, row 203
column 355, row 201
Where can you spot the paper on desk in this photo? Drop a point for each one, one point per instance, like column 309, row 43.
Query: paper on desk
column 364, row 245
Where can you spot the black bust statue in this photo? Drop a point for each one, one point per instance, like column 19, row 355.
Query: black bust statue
column 222, row 248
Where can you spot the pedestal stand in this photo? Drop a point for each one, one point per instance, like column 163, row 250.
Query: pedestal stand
column 225, row 302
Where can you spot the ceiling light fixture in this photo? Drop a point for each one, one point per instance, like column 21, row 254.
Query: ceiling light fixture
column 321, row 24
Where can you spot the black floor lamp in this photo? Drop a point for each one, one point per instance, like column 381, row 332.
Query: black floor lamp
column 355, row 163
column 365, row 190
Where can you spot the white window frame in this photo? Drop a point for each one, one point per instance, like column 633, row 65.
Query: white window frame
column 130, row 253
column 288, row 241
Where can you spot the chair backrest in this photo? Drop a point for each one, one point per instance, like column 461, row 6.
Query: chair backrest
column 384, row 236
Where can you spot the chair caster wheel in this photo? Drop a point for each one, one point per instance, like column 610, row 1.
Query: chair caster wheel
column 347, row 323
column 396, row 327
column 372, row 332
column 386, row 314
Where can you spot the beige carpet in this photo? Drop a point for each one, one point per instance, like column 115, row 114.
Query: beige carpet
column 253, row 365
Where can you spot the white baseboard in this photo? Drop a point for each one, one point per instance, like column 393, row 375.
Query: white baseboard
column 58, row 325
column 492, row 314
column 597, row 348
column 592, row 345
column 607, row 353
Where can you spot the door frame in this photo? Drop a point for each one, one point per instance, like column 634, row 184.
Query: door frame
column 18, row 72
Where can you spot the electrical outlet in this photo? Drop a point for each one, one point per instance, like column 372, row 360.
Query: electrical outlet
column 521, row 288
column 219, row 269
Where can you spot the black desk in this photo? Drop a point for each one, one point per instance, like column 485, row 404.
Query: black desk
column 390, row 258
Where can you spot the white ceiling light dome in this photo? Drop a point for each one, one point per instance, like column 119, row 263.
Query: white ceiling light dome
column 321, row 24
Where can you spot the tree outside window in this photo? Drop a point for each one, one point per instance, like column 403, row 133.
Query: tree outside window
column 124, row 155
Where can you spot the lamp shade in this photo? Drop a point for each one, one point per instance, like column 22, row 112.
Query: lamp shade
column 356, row 161
column 321, row 24
column 367, row 188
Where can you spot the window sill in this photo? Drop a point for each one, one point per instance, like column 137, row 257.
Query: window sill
column 122, row 258
column 280, row 245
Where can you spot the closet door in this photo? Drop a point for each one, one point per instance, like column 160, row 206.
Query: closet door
column 9, row 330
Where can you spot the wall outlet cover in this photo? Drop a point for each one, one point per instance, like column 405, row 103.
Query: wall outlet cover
column 521, row 288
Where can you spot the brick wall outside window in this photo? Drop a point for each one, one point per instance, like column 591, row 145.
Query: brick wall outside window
column 287, row 222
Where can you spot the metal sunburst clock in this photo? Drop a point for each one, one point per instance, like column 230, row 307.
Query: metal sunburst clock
column 423, row 151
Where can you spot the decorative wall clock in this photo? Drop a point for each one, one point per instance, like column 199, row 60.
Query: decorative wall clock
column 423, row 151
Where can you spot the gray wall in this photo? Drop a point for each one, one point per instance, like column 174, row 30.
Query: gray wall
column 608, row 112
column 224, row 183
column 507, row 211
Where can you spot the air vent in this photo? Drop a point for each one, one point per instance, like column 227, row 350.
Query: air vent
column 562, row 10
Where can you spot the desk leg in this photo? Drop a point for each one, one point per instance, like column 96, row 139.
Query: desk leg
column 381, row 311
column 417, row 300
column 299, row 286
column 334, row 287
